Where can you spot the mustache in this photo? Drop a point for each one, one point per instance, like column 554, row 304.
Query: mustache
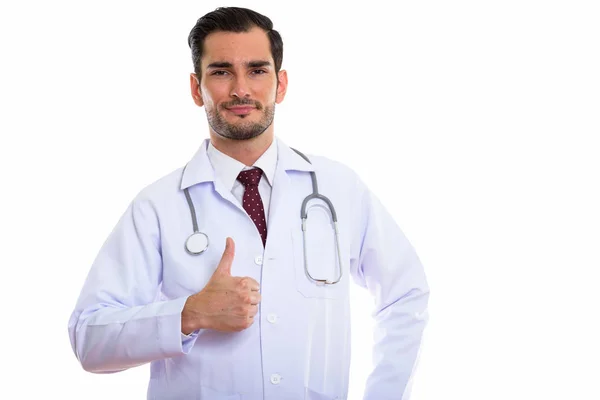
column 242, row 102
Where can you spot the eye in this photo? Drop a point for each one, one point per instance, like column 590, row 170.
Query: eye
column 219, row 73
column 259, row 72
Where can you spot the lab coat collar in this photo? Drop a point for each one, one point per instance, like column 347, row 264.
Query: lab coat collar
column 289, row 160
column 199, row 169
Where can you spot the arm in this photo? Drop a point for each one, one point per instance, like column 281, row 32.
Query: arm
column 388, row 266
column 117, row 324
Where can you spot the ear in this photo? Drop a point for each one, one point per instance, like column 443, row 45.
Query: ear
column 195, row 89
column 282, row 86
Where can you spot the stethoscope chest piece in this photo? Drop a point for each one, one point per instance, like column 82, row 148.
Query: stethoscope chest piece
column 197, row 243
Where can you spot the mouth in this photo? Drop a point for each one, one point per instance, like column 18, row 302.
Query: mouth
column 241, row 110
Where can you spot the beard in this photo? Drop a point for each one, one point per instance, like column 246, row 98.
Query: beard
column 242, row 130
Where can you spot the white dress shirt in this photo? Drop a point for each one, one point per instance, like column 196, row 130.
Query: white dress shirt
column 228, row 168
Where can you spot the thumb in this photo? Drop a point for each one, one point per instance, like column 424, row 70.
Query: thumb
column 224, row 266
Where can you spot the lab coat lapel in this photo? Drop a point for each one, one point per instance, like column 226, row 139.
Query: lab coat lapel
column 199, row 170
column 227, row 195
column 281, row 217
column 278, row 212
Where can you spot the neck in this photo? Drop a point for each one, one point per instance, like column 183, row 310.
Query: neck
column 245, row 151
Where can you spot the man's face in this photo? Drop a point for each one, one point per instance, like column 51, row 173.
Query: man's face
column 238, row 84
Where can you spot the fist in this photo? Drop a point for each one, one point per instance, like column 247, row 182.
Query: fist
column 227, row 303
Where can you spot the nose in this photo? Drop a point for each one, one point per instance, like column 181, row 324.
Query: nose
column 240, row 87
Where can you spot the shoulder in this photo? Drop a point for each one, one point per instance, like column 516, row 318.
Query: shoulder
column 162, row 191
column 330, row 169
column 330, row 166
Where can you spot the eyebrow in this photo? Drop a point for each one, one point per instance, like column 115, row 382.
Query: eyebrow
column 249, row 64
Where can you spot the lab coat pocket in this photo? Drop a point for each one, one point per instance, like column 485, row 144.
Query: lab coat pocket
column 316, row 255
column 314, row 395
column 177, row 390
column 212, row 394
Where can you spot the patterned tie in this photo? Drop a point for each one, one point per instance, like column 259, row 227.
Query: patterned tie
column 252, row 201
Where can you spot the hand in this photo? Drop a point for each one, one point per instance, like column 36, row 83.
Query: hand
column 227, row 303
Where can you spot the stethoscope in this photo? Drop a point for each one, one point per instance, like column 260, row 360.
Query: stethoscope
column 197, row 242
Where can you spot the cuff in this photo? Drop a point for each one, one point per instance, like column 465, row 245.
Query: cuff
column 172, row 340
column 187, row 341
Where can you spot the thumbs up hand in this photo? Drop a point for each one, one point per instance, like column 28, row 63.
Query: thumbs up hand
column 227, row 303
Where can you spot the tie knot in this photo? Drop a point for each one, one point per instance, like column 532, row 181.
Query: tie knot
column 250, row 176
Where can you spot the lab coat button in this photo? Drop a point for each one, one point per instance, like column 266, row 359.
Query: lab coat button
column 275, row 379
column 272, row 318
column 258, row 260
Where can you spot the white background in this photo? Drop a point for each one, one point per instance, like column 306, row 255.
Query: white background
column 475, row 122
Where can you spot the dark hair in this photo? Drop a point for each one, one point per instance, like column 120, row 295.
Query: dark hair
column 232, row 19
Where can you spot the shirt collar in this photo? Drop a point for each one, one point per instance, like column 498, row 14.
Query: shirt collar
column 199, row 169
column 228, row 168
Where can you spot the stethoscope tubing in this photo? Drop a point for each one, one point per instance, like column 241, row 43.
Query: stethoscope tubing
column 303, row 216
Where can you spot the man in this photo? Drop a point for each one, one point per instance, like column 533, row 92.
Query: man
column 260, row 310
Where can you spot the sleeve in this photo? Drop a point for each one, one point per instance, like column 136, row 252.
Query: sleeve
column 116, row 323
column 387, row 265
column 185, row 339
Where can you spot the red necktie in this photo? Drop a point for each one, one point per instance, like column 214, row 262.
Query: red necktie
column 252, row 201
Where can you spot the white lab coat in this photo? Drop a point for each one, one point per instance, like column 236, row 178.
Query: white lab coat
column 129, row 310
